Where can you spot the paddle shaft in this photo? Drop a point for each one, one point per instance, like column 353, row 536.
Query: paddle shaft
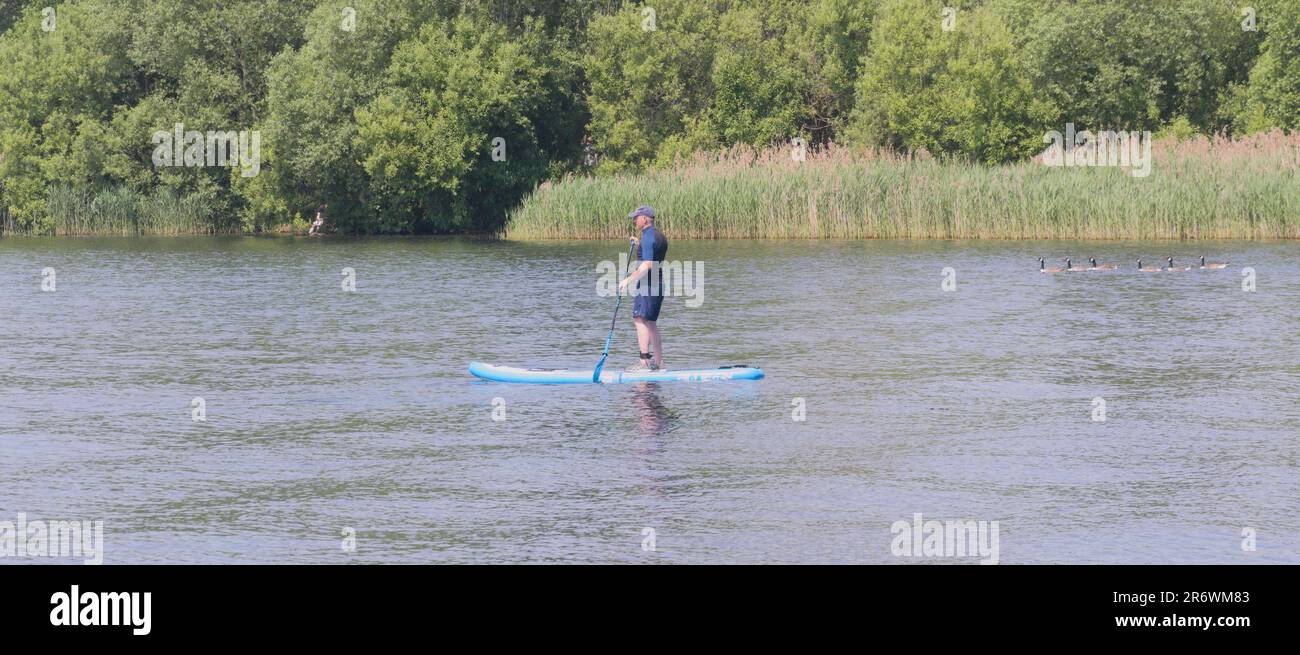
column 595, row 375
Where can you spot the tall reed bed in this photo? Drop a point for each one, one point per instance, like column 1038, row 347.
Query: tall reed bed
column 1202, row 188
column 124, row 212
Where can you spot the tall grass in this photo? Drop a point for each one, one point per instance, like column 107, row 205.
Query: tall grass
column 1202, row 188
column 123, row 212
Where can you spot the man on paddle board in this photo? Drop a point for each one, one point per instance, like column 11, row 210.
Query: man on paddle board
column 652, row 247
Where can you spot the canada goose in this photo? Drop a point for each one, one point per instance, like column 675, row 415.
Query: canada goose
column 1072, row 268
column 1176, row 269
column 1148, row 269
column 1102, row 267
column 1043, row 268
column 1205, row 264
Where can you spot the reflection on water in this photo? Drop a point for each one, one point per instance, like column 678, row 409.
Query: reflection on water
column 654, row 419
column 328, row 409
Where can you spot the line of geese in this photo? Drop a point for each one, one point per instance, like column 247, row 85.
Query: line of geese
column 1071, row 268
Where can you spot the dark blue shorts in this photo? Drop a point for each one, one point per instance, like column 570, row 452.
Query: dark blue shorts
column 647, row 307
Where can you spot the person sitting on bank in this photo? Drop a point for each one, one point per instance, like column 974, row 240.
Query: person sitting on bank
column 318, row 222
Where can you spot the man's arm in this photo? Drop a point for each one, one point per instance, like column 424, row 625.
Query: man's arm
column 636, row 275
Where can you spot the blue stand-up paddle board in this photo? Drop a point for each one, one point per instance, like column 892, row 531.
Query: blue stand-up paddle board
column 570, row 376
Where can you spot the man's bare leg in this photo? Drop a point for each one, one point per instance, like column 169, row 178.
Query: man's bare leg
column 643, row 328
column 653, row 328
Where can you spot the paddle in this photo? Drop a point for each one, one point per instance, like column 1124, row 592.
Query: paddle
column 595, row 375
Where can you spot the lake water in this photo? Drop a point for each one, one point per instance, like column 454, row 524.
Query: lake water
column 329, row 410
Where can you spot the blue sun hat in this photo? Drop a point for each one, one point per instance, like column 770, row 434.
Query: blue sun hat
column 643, row 210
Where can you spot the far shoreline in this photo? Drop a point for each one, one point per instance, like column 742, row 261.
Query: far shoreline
column 545, row 239
column 1199, row 189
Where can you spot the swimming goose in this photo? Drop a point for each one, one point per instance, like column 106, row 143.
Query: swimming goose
column 1148, row 269
column 1072, row 268
column 1102, row 267
column 1042, row 267
column 1205, row 264
column 1176, row 269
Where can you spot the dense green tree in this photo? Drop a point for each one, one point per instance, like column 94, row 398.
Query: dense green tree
column 454, row 94
column 649, row 71
column 830, row 45
column 954, row 92
column 60, row 88
column 386, row 109
column 1271, row 100
column 787, row 68
column 309, row 134
column 10, row 10
column 1138, row 68
column 391, row 123
column 213, row 56
column 688, row 75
